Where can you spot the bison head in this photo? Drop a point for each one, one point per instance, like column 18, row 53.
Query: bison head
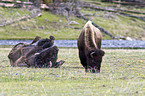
column 94, row 60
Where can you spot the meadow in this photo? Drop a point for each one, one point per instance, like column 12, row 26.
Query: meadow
column 122, row 74
column 59, row 26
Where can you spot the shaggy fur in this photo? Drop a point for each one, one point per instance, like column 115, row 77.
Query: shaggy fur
column 42, row 55
column 46, row 57
column 89, row 45
column 46, row 43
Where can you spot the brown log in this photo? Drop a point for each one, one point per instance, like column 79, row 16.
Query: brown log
column 130, row 3
column 115, row 11
column 13, row 1
column 20, row 19
column 101, row 29
column 6, row 4
column 137, row 17
column 110, row 9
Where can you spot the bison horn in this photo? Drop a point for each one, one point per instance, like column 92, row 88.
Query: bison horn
column 91, row 54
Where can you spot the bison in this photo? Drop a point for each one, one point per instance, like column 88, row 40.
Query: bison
column 44, row 54
column 89, row 45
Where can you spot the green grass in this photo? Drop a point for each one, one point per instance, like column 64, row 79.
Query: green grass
column 118, row 24
column 122, row 74
column 50, row 24
column 47, row 24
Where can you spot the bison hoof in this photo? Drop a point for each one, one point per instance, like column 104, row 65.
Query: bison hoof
column 92, row 70
column 23, row 65
column 58, row 64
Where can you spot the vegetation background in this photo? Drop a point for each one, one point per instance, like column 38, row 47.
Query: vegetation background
column 60, row 24
column 122, row 71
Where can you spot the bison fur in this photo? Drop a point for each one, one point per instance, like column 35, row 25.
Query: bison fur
column 89, row 45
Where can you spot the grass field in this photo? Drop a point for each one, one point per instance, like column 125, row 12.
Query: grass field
column 60, row 27
column 122, row 74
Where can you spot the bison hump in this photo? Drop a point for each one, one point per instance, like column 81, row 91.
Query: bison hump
column 92, row 35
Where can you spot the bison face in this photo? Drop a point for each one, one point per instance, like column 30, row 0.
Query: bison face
column 94, row 60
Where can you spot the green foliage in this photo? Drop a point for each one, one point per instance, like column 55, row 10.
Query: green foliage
column 118, row 24
column 122, row 73
column 47, row 24
column 57, row 25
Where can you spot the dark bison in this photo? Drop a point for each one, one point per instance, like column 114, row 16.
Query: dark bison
column 89, row 44
column 44, row 54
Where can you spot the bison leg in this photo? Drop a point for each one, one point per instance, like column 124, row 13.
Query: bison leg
column 46, row 58
column 23, row 65
column 20, row 60
column 12, row 63
column 58, row 64
column 38, row 61
column 83, row 59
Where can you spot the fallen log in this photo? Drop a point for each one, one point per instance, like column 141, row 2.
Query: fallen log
column 7, row 1
column 11, row 5
column 101, row 29
column 130, row 3
column 115, row 11
column 6, row 4
column 20, row 19
column 130, row 11
column 137, row 17
column 18, row 2
column 110, row 9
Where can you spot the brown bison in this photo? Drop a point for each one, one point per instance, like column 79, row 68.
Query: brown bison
column 89, row 44
column 42, row 55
